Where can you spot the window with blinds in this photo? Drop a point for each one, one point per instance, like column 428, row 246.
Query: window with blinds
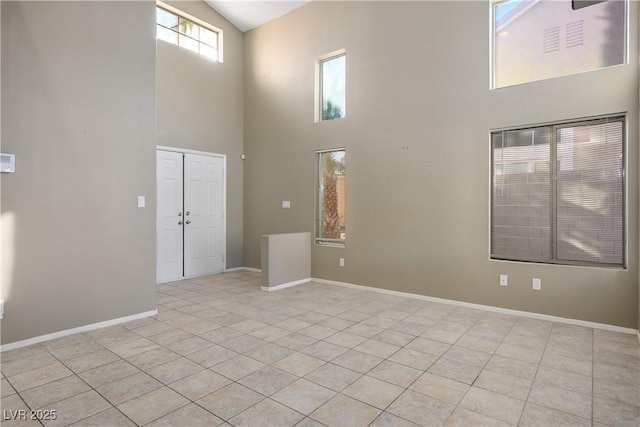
column 558, row 193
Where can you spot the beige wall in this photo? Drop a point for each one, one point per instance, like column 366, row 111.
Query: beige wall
column 78, row 111
column 200, row 107
column 417, row 139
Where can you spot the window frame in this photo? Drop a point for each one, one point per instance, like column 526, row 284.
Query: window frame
column 319, row 100
column 200, row 23
column 493, row 85
column 323, row 241
column 553, row 222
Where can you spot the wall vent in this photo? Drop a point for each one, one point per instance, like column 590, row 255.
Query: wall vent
column 575, row 34
column 551, row 40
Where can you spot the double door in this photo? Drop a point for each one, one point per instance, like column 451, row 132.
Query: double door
column 190, row 215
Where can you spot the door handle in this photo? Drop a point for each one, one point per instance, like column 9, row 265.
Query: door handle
column 180, row 222
column 188, row 222
column 187, row 213
column 179, row 213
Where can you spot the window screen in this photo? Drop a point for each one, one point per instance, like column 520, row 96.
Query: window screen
column 558, row 193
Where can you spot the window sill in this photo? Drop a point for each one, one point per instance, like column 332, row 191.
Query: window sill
column 329, row 244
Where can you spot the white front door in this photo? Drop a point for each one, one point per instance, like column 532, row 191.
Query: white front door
column 169, row 223
column 203, row 205
column 190, row 215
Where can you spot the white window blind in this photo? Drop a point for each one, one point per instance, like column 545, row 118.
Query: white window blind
column 558, row 193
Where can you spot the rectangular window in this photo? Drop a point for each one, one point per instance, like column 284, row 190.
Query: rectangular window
column 332, row 87
column 536, row 40
column 558, row 193
column 332, row 185
column 188, row 32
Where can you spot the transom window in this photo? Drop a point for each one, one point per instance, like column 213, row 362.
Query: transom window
column 178, row 28
column 558, row 193
column 536, row 40
column 332, row 186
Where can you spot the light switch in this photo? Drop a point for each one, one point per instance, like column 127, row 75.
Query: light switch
column 286, row 204
column 7, row 162
column 141, row 201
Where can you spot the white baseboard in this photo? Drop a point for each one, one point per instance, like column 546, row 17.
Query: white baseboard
column 255, row 270
column 528, row 314
column 285, row 285
column 78, row 330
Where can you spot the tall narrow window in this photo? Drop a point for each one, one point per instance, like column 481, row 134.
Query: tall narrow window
column 536, row 40
column 332, row 182
column 558, row 193
column 333, row 103
column 188, row 32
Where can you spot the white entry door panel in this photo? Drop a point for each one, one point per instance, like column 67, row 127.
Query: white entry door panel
column 190, row 215
column 169, row 241
column 204, row 214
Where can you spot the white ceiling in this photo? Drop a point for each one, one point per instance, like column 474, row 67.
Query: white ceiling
column 248, row 14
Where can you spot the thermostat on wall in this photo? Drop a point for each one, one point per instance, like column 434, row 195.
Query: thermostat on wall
column 7, row 162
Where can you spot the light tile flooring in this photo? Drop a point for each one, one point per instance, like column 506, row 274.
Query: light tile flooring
column 222, row 352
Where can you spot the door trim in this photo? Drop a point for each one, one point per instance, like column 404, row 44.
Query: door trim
column 224, row 197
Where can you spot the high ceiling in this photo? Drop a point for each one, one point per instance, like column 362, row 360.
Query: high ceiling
column 248, row 14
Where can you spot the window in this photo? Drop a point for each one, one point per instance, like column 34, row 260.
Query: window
column 332, row 181
column 332, row 99
column 558, row 193
column 188, row 32
column 536, row 40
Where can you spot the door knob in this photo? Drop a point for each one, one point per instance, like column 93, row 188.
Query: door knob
column 188, row 222
column 180, row 222
column 179, row 213
column 187, row 213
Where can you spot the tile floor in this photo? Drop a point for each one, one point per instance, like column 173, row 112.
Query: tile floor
column 222, row 352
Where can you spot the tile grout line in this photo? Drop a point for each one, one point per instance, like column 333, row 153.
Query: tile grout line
column 456, row 406
column 546, row 343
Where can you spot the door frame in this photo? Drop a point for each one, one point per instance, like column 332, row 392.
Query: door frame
column 224, row 199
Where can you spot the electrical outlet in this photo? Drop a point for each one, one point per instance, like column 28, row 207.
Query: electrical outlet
column 536, row 284
column 341, row 262
column 504, row 280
